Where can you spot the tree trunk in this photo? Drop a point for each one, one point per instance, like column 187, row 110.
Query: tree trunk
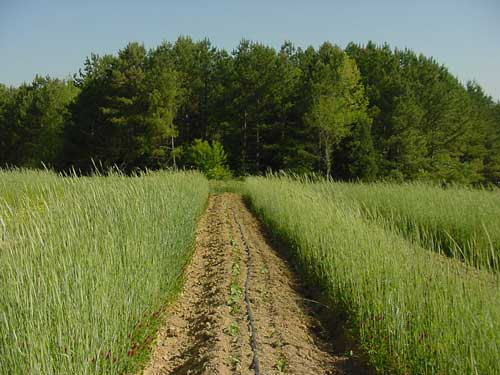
column 173, row 151
column 205, row 107
column 244, row 149
column 257, row 155
column 328, row 156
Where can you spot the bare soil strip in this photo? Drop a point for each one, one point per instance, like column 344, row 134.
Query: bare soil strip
column 208, row 330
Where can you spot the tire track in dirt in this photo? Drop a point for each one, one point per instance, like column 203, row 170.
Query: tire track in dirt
column 208, row 330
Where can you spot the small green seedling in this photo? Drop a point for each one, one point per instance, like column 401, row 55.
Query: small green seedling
column 236, row 269
column 264, row 294
column 233, row 361
column 235, row 293
column 232, row 330
column 281, row 365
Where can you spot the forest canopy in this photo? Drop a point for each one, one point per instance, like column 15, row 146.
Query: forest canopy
column 364, row 112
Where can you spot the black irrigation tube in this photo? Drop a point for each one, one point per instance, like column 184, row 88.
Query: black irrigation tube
column 251, row 323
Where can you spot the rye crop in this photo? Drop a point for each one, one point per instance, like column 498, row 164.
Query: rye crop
column 86, row 263
column 458, row 221
column 413, row 311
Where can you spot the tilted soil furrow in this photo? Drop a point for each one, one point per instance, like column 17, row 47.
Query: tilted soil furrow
column 193, row 340
column 209, row 330
column 240, row 358
column 284, row 327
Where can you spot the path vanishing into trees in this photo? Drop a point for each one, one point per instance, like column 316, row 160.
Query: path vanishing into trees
column 243, row 310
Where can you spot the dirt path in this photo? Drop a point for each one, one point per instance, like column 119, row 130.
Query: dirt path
column 241, row 311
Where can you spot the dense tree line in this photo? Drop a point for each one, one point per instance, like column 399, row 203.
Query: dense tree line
column 364, row 112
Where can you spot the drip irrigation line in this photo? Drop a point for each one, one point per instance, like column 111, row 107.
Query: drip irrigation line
column 251, row 323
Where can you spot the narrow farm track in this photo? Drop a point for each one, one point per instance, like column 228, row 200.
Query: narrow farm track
column 240, row 311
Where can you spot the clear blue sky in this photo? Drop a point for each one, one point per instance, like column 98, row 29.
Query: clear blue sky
column 53, row 37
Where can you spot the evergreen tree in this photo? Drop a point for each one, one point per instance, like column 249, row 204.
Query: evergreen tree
column 364, row 113
column 339, row 103
column 487, row 115
column 255, row 82
column 163, row 88
column 33, row 118
column 124, row 113
column 5, row 136
column 87, row 132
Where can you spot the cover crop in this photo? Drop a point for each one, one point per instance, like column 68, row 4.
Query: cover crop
column 86, row 262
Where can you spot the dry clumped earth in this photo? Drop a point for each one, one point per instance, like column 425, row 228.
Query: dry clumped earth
column 209, row 330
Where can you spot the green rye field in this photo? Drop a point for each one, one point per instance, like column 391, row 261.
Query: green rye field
column 412, row 310
column 87, row 263
column 459, row 222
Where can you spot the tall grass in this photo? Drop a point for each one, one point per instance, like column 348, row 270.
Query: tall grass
column 459, row 222
column 85, row 262
column 17, row 186
column 414, row 311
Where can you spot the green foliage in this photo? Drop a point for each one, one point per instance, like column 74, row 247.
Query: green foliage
column 232, row 330
column 415, row 312
column 367, row 112
column 208, row 158
column 426, row 123
column 488, row 114
column 32, row 119
column 5, row 97
column 125, row 112
column 281, row 365
column 87, row 263
column 338, row 102
column 459, row 222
